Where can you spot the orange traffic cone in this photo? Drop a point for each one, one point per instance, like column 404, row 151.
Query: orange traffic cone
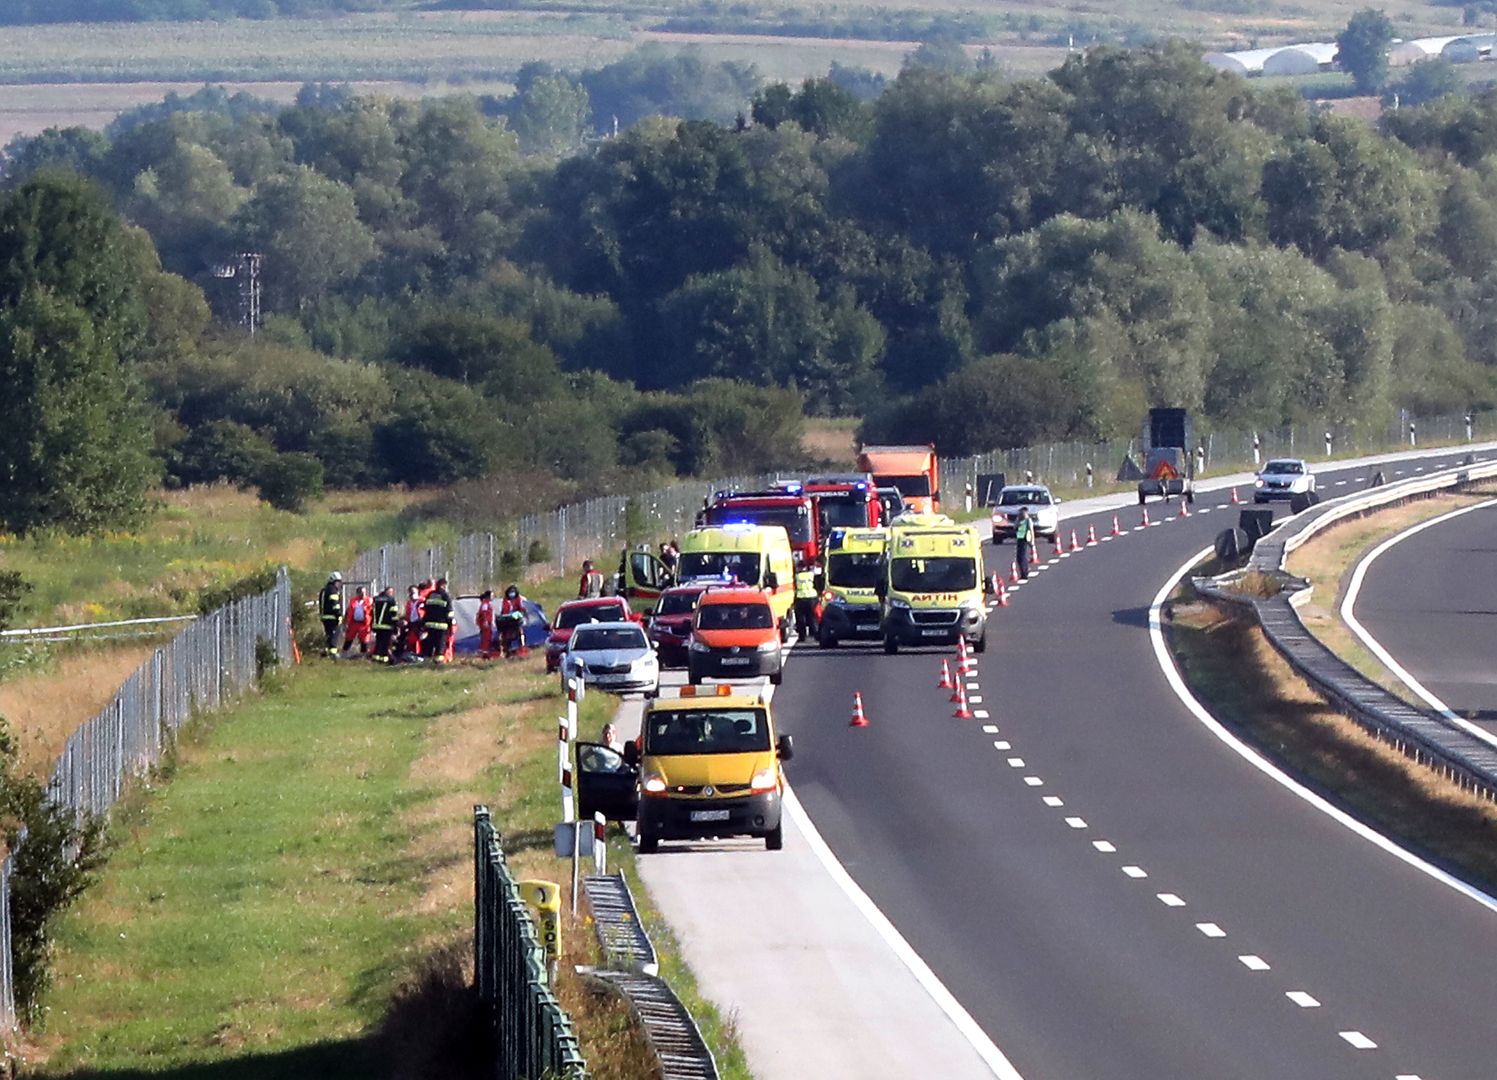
column 947, row 682
column 1145, row 521
column 1235, row 499
column 1117, row 530
column 1184, row 507
column 859, row 718
column 962, row 712
column 1091, row 536
column 1002, row 594
column 1075, row 544
column 1014, row 575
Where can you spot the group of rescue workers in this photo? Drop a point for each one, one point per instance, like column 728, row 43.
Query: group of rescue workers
column 388, row 632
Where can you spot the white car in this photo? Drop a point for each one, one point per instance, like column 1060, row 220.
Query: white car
column 1283, row 478
column 615, row 656
column 1044, row 510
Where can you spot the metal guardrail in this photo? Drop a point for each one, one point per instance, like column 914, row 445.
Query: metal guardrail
column 532, row 1035
column 633, row 974
column 206, row 665
column 1425, row 736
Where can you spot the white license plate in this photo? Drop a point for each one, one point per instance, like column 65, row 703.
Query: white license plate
column 729, row 661
column 935, row 633
column 709, row 815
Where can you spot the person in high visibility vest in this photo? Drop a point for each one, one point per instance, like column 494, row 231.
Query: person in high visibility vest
column 358, row 620
column 330, row 610
column 436, row 615
column 1024, row 540
column 805, row 602
column 485, row 620
column 590, row 585
column 512, row 622
column 386, row 617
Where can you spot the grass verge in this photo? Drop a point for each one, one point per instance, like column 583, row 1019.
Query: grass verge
column 1327, row 561
column 1244, row 683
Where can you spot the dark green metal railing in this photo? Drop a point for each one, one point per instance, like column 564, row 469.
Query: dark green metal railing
column 532, row 1036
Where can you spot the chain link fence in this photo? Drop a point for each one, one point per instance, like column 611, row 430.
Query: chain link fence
column 532, row 1035
column 205, row 666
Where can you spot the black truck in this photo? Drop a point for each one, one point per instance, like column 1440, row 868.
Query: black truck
column 1169, row 463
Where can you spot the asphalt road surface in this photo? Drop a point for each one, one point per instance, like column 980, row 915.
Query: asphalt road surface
column 1431, row 601
column 1107, row 888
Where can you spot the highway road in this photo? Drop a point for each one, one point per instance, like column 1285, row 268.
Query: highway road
column 1100, row 882
column 1430, row 600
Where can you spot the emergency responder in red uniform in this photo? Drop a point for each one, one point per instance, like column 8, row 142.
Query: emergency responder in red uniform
column 512, row 622
column 386, row 618
column 330, row 610
column 590, row 585
column 410, row 632
column 436, row 615
column 358, row 620
column 485, row 620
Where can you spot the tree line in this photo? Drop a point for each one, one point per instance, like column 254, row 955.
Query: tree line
column 457, row 285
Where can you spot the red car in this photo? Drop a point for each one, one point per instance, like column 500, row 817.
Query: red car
column 575, row 613
column 670, row 623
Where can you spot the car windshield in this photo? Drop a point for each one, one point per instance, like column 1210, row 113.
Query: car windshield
column 682, row 603
column 946, row 573
column 567, row 618
column 734, row 617
column 1284, row 468
column 855, row 571
column 911, row 487
column 705, row 731
column 794, row 520
column 729, row 565
column 845, row 513
column 1022, row 497
column 591, row 639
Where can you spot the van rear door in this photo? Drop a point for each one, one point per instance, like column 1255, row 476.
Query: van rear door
column 606, row 783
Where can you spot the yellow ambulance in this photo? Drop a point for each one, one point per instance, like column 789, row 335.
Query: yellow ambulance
column 755, row 555
column 932, row 588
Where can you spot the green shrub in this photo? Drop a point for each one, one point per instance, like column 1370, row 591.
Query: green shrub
column 287, row 481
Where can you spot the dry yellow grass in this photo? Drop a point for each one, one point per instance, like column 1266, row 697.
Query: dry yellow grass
column 1326, row 562
column 45, row 708
column 831, row 441
column 1246, row 684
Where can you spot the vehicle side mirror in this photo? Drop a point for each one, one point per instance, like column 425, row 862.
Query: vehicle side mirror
column 771, row 580
column 785, row 747
column 819, row 582
column 881, row 590
column 631, row 753
column 1057, row 502
column 987, row 586
column 935, row 496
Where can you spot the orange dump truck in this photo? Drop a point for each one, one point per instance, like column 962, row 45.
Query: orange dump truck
column 911, row 469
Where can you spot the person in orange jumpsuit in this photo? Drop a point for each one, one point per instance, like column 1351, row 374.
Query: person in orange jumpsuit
column 358, row 620
column 485, row 620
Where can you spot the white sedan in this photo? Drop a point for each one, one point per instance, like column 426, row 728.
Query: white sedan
column 615, row 656
column 1044, row 510
column 1283, row 478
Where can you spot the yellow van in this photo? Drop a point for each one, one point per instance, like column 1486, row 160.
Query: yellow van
column 932, row 588
column 755, row 555
column 704, row 765
column 850, row 573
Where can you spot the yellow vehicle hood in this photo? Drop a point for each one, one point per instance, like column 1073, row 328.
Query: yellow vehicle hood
column 855, row 596
column 921, row 601
column 694, row 770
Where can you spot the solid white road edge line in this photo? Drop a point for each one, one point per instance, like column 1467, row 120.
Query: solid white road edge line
column 1404, row 676
column 944, row 999
column 1272, row 771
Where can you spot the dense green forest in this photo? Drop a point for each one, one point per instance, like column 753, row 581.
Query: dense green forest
column 459, row 285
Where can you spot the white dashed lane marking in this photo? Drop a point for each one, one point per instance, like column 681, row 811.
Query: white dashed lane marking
column 1014, row 762
column 1034, row 781
column 1003, row 744
column 1302, row 999
column 1169, row 899
column 1054, row 801
column 1135, row 872
column 1204, row 510
column 1211, row 930
column 1254, row 963
column 982, row 714
column 988, row 729
column 1358, row 1040
column 1106, row 847
column 1076, row 822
